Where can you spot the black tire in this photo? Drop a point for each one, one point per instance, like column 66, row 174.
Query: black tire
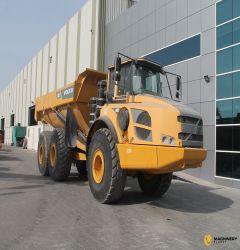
column 154, row 184
column 59, row 169
column 112, row 185
column 81, row 168
column 44, row 144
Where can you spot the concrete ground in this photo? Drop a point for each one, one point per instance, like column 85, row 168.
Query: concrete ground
column 38, row 213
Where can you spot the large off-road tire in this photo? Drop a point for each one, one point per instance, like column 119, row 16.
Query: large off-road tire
column 43, row 148
column 59, row 156
column 81, row 168
column 106, row 179
column 154, row 184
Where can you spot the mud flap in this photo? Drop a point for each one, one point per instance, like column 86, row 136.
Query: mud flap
column 71, row 130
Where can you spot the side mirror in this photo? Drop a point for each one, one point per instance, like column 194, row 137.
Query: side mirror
column 117, row 66
column 178, row 86
column 178, row 83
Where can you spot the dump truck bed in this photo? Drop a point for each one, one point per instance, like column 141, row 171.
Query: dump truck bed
column 52, row 106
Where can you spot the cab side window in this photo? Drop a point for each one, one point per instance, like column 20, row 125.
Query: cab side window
column 125, row 82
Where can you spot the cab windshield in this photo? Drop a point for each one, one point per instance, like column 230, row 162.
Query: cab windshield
column 140, row 79
column 145, row 80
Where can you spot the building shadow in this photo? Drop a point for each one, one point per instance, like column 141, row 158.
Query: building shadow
column 182, row 196
column 7, row 155
column 4, row 169
column 9, row 158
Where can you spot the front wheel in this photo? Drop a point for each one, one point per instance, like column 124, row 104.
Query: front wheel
column 154, row 184
column 106, row 178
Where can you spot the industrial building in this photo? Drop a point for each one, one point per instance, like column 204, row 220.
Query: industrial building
column 198, row 39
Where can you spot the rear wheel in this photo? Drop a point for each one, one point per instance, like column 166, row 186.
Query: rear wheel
column 43, row 148
column 59, row 156
column 106, row 178
column 154, row 184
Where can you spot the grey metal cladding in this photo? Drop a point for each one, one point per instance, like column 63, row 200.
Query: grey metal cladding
column 208, row 41
column 171, row 13
column 194, row 91
column 208, row 64
column 194, row 24
column 161, row 19
column 208, row 18
column 193, row 6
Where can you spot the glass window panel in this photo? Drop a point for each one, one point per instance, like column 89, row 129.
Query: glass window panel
column 224, row 61
column 236, row 31
column 224, row 86
column 224, row 35
column 236, row 8
column 236, row 166
column 224, row 164
column 224, row 112
column 236, row 57
column 236, row 111
column 224, row 138
column 184, row 50
column 236, row 84
column 224, row 11
column 236, row 136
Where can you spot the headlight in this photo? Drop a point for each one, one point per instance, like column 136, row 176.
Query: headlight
column 169, row 140
column 123, row 119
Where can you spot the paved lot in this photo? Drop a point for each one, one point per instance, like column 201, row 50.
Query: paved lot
column 37, row 213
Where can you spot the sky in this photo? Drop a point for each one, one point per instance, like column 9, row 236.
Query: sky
column 25, row 27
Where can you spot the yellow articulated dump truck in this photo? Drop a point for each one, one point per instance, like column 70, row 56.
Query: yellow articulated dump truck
column 127, row 122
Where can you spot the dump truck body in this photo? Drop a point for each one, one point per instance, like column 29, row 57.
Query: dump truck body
column 147, row 133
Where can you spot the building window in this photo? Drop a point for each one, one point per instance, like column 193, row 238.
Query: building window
column 31, row 119
column 227, row 10
column 228, row 89
column 228, row 85
column 228, row 59
column 12, row 120
column 228, row 34
column 2, row 124
column 178, row 52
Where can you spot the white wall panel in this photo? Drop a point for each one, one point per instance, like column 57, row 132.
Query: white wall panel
column 14, row 93
column 33, row 81
column 86, row 33
column 1, row 105
column 7, row 93
column 52, row 63
column 21, row 97
column 17, row 97
column 61, row 56
column 39, row 74
column 45, row 72
column 72, row 49
column 11, row 97
column 29, row 87
column 24, row 94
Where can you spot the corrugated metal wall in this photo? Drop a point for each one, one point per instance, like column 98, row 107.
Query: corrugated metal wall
column 73, row 49
column 115, row 8
column 79, row 44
